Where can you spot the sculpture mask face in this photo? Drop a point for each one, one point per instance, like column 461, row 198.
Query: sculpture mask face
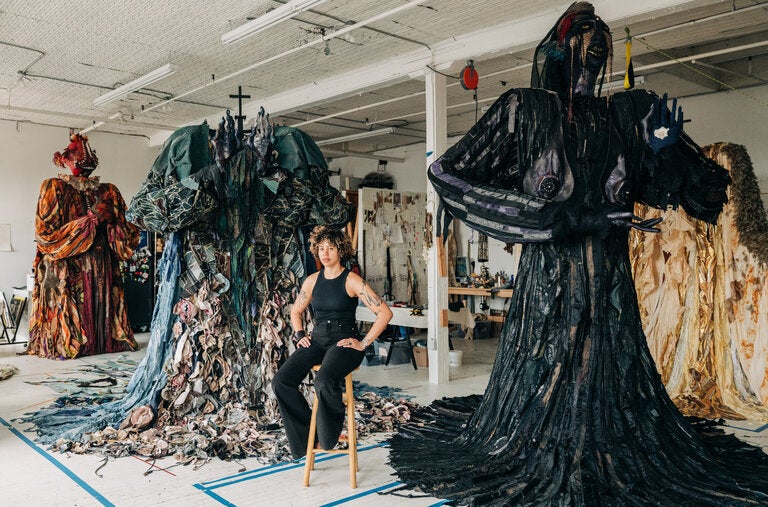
column 587, row 44
column 77, row 156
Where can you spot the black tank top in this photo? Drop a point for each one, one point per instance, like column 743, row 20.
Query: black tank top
column 330, row 299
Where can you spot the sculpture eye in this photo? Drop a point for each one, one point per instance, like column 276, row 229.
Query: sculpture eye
column 548, row 186
column 618, row 189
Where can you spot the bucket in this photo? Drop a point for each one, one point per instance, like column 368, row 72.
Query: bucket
column 454, row 357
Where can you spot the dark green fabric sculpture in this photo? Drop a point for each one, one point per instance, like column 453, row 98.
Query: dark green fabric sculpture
column 232, row 212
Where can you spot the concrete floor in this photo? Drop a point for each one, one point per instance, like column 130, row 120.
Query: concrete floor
column 34, row 477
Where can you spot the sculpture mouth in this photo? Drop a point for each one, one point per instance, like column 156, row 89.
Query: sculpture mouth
column 597, row 51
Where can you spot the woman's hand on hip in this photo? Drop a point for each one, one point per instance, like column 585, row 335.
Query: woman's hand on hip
column 351, row 343
column 305, row 341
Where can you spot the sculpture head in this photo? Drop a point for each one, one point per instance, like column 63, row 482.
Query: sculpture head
column 577, row 50
column 77, row 156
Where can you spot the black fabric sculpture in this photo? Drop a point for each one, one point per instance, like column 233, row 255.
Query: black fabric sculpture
column 575, row 412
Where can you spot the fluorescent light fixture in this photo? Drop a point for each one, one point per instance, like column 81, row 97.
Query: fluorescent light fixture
column 271, row 18
column 136, row 84
column 361, row 135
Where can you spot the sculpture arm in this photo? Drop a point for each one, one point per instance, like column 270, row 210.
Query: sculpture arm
column 123, row 236
column 57, row 238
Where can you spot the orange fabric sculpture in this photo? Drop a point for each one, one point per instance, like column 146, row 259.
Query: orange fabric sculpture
column 78, row 304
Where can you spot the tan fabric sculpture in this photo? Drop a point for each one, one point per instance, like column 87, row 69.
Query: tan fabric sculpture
column 703, row 299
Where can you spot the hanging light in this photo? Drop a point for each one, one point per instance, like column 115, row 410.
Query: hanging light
column 271, row 18
column 136, row 84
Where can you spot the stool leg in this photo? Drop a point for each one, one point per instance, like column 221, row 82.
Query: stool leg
column 351, row 432
column 310, row 460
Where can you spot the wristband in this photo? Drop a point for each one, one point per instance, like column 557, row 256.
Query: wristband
column 298, row 335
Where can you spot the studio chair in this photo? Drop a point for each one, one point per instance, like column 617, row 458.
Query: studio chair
column 351, row 450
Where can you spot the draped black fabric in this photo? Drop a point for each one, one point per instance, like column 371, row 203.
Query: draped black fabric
column 575, row 412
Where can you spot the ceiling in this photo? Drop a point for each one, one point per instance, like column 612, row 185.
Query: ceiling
column 57, row 56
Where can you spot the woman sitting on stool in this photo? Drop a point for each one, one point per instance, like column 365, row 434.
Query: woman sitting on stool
column 334, row 342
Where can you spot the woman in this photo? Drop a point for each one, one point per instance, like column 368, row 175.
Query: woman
column 333, row 342
column 574, row 412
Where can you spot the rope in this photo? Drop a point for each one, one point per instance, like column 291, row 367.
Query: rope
column 700, row 72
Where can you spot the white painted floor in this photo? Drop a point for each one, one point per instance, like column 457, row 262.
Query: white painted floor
column 33, row 477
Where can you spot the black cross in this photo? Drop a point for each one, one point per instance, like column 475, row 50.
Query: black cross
column 240, row 117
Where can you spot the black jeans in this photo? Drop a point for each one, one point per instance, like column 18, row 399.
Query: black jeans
column 336, row 362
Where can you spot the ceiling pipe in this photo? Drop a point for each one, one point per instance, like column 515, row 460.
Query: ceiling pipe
column 358, row 154
column 411, row 4
column 727, row 71
column 40, row 55
column 638, row 68
column 528, row 65
column 349, row 22
column 359, row 108
column 118, row 120
column 708, row 54
column 704, row 20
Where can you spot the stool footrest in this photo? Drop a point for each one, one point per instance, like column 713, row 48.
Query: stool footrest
column 332, row 451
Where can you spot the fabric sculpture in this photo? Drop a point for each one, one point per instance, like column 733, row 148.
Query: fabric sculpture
column 232, row 212
column 574, row 412
column 703, row 299
column 78, row 305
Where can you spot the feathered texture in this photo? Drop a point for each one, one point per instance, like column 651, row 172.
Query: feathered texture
column 553, row 50
column 77, row 156
column 750, row 215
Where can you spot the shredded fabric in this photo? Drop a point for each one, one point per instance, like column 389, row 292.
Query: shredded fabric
column 234, row 218
column 7, row 371
column 703, row 299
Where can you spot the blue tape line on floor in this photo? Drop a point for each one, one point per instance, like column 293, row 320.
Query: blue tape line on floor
column 215, row 496
column 273, row 469
column 361, row 494
column 69, row 473
column 755, row 430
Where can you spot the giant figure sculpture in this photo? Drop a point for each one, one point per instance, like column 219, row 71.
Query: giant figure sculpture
column 231, row 211
column 78, row 304
column 574, row 412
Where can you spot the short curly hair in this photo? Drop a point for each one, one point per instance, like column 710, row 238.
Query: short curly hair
column 336, row 237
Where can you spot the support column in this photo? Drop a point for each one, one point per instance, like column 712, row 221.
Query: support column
column 437, row 274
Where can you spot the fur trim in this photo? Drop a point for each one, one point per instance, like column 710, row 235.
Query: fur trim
column 80, row 183
column 744, row 195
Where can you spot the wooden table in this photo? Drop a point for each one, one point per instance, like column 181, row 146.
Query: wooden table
column 479, row 291
column 483, row 292
column 402, row 320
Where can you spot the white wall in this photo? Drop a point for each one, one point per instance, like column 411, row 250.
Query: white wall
column 409, row 176
column 26, row 160
column 739, row 117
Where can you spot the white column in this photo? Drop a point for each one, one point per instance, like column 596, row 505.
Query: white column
column 437, row 290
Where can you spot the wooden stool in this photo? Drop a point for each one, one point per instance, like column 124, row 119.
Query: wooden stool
column 349, row 400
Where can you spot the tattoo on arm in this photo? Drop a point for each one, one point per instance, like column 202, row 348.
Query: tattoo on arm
column 302, row 297
column 369, row 298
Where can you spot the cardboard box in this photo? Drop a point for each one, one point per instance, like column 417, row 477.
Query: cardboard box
column 422, row 358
